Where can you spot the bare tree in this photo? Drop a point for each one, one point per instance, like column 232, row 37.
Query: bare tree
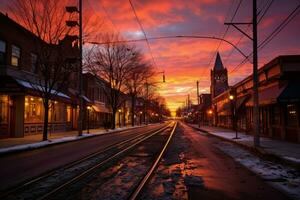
column 55, row 57
column 135, row 84
column 114, row 63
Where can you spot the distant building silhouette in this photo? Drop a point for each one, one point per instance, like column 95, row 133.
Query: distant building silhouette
column 219, row 78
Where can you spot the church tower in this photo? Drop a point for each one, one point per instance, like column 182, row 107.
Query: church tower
column 219, row 78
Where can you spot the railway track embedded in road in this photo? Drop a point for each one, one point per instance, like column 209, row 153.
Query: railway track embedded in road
column 48, row 184
column 134, row 164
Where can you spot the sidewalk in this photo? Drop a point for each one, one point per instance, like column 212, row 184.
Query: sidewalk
column 10, row 145
column 286, row 151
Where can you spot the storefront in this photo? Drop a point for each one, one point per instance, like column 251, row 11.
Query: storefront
column 4, row 115
column 60, row 115
column 22, row 110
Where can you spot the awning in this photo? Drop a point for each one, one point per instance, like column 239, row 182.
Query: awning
column 86, row 99
column 267, row 96
column 224, row 107
column 241, row 101
column 39, row 88
column 224, row 113
column 290, row 94
column 98, row 107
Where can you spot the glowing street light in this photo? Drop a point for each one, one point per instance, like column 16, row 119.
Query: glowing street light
column 88, row 118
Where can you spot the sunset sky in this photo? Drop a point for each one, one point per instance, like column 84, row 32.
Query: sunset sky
column 187, row 60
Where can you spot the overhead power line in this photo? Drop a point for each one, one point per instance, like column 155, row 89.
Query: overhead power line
column 225, row 33
column 144, row 33
column 275, row 32
column 262, row 13
column 108, row 17
column 265, row 11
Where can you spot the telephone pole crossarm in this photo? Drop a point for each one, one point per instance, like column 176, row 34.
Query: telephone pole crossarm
column 243, row 32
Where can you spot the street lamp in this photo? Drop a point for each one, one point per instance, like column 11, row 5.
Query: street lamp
column 88, row 118
column 141, row 112
column 233, row 112
column 120, row 117
column 209, row 112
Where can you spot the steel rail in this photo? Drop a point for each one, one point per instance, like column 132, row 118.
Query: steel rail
column 147, row 177
column 76, row 162
column 92, row 169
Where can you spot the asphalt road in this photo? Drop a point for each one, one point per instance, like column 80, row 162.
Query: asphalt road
column 223, row 177
column 18, row 167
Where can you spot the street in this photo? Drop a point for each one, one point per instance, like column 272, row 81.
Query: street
column 223, row 177
column 192, row 168
column 16, row 168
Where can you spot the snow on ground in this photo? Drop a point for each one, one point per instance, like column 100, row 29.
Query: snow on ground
column 283, row 178
column 115, row 182
column 56, row 141
column 286, row 150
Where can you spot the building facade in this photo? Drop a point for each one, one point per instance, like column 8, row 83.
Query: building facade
column 21, row 106
column 97, row 112
column 279, row 98
column 204, row 112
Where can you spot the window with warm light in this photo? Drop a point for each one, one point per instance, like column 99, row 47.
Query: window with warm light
column 15, row 55
column 69, row 113
column 58, row 111
column 33, row 109
column 4, row 109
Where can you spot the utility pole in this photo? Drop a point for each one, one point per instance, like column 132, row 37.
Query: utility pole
column 189, row 101
column 256, row 125
column 198, row 100
column 71, row 23
column 80, row 117
column 146, row 103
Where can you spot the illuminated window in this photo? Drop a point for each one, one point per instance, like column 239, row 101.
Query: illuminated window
column 69, row 113
column 2, row 52
column 58, row 112
column 34, row 109
column 3, row 109
column 15, row 55
column 292, row 115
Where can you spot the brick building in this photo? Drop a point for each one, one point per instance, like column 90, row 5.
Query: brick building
column 21, row 107
column 279, row 98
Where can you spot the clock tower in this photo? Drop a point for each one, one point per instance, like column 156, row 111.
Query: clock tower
column 219, row 78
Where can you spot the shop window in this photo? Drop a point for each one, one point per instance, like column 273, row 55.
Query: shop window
column 3, row 109
column 58, row 112
column 15, row 55
column 69, row 113
column 33, row 62
column 292, row 115
column 33, row 109
column 2, row 52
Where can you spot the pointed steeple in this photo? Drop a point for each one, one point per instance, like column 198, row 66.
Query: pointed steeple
column 218, row 63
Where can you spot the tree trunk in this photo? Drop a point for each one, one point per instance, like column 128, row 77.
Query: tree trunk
column 132, row 109
column 113, row 121
column 45, row 130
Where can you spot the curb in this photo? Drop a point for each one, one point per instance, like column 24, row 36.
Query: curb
column 2, row 154
column 256, row 150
